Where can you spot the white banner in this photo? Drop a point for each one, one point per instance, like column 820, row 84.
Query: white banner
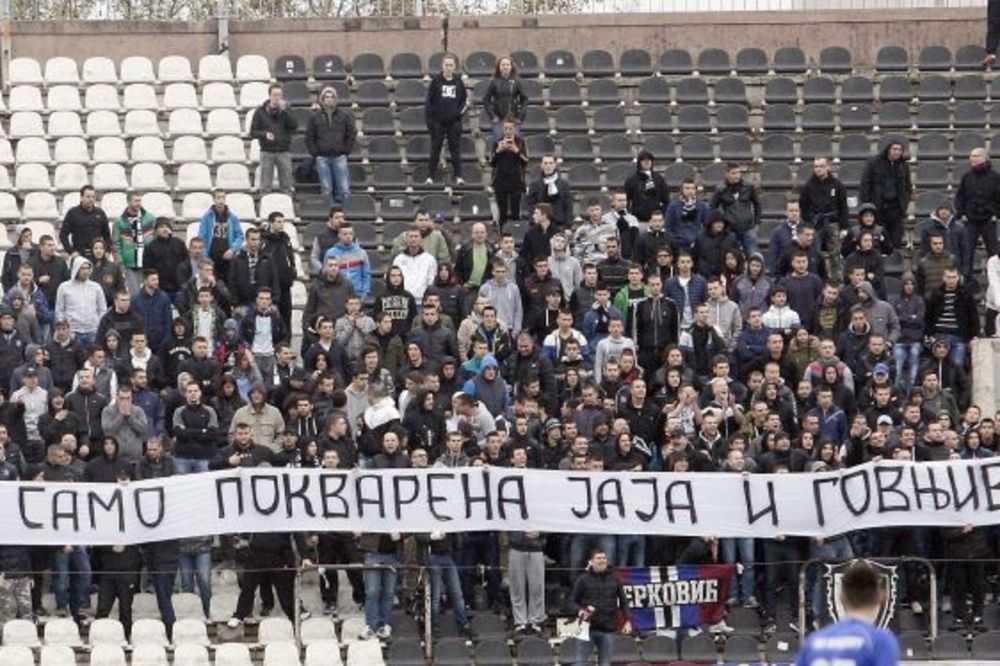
column 470, row 499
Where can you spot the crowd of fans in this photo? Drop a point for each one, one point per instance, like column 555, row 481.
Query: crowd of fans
column 649, row 334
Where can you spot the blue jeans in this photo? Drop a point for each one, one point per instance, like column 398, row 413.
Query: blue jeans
column 71, row 579
column 190, row 465
column 443, row 570
column 630, row 550
column 748, row 239
column 86, row 340
column 163, row 588
column 604, row 641
column 582, row 544
column 380, row 588
column 334, row 178
column 739, row 551
column 958, row 348
column 197, row 568
column 907, row 352
column 831, row 551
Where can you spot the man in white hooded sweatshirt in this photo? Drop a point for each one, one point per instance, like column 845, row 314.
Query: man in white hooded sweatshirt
column 81, row 302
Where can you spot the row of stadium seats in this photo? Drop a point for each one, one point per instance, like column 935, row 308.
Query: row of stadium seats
column 137, row 69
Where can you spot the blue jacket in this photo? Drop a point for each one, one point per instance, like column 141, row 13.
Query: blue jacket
column 751, row 344
column 149, row 402
column 156, row 316
column 697, row 292
column 684, row 231
column 354, row 265
column 235, row 239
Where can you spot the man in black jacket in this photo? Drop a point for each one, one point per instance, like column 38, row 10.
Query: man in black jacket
column 83, row 223
column 446, row 102
column 823, row 205
column 330, row 137
column 252, row 270
column 739, row 203
column 272, row 126
column 647, row 191
column 657, row 325
column 164, row 254
column 550, row 189
column 952, row 316
column 886, row 185
column 278, row 246
column 978, row 201
column 599, row 597
column 196, row 428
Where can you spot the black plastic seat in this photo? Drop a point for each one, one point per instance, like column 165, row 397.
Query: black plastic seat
column 609, row 119
column 697, row 148
column 970, row 86
column 327, row 67
column 565, row 91
column 913, row 647
column 527, row 63
column 378, row 121
column 925, row 202
column 399, row 207
column 576, row 147
column 932, row 146
column 790, row 60
column 857, row 89
column 406, row 66
column 676, row 62
column 533, row 651
column 896, row 115
column 678, row 172
column 819, row 89
column 385, row 149
column 617, row 174
column 892, row 59
column 656, row 649
column 662, row 146
column 567, row 651
column 934, row 59
column 626, row 650
column 835, row 60
column 817, row 117
column 855, row 116
column 598, row 63
column 950, row 646
column 741, row 649
column 777, row 146
column 560, row 64
column 781, row 648
column 969, row 57
column 894, row 89
column 694, row 118
column 970, row 114
column 735, row 147
column 360, row 207
column 539, row 144
column 535, row 120
column 290, row 68
column 409, row 92
column 933, row 115
column 475, row 206
column 751, row 60
column 615, row 147
column 730, row 90
column 571, row 119
column 779, row 117
column 934, row 88
column 413, row 120
column 372, row 93
column 854, row 147
column 691, row 90
column 584, row 176
column 815, row 145
column 714, row 62
column 297, row 94
column 451, row 652
column 390, row 176
column 418, row 148
column 713, row 173
column 931, row 174
column 781, row 90
column 438, row 202
column 368, row 66
column 775, row 176
column 699, row 648
column 479, row 64
column 532, row 89
column 603, row 91
column 405, row 653
column 732, row 118
column 636, row 62
column 656, row 119
column 654, row 90
column 772, row 206
column 965, row 143
column 434, row 62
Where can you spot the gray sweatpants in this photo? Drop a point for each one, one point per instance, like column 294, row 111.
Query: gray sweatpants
column 526, row 571
column 267, row 163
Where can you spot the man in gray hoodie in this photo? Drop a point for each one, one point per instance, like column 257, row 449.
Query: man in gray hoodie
column 563, row 266
column 504, row 295
column 723, row 313
column 881, row 315
column 81, row 302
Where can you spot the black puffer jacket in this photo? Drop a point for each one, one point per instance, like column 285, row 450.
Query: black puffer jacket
column 331, row 135
column 280, row 123
column 605, row 593
column 88, row 405
column 978, row 196
column 646, row 193
column 881, row 177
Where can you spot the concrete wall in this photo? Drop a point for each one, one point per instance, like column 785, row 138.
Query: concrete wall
column 861, row 31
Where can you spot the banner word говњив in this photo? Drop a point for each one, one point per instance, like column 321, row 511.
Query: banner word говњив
column 470, row 499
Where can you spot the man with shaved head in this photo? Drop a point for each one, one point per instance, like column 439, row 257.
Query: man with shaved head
column 473, row 261
column 978, row 200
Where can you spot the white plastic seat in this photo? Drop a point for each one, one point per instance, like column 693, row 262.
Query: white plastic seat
column 194, row 206
column 39, row 229
column 175, row 69
column 141, row 123
column 9, row 211
column 193, row 176
column 62, row 630
column 61, row 70
column 25, row 98
column 232, row 654
column 137, row 69
column 107, row 655
column 317, row 629
column 113, row 203
column 275, row 630
column 241, row 203
column 253, row 94
column 103, row 123
column 57, row 655
column 100, row 97
column 254, row 151
column 31, row 178
column 64, row 98
column 71, row 150
column 143, row 603
column 350, row 629
column 25, row 71
column 285, row 653
column 99, row 69
column 192, row 230
column 186, row 604
column 218, row 96
column 40, row 206
column 184, row 121
column 148, row 149
column 149, row 630
column 190, row 630
column 69, row 200
column 190, row 654
column 110, row 177
column 276, row 201
column 145, row 654
column 223, row 604
column 299, row 298
column 323, row 653
column 148, row 177
column 253, row 68
column 5, row 184
column 26, row 123
column 180, row 96
column 140, row 96
column 223, row 121
column 69, row 177
column 189, row 149
column 17, row 655
column 364, row 653
column 66, row 123
column 106, row 630
column 111, row 149
column 214, row 68
column 228, row 149
column 6, row 152
column 20, row 632
column 232, row 177
column 33, row 150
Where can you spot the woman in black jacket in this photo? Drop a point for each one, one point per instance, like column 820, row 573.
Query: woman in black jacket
column 505, row 96
column 509, row 159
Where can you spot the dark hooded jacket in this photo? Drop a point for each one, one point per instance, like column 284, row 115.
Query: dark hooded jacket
column 493, row 394
column 738, row 203
column 978, row 195
column 710, row 249
column 107, row 469
column 424, row 427
column 646, row 191
column 886, row 184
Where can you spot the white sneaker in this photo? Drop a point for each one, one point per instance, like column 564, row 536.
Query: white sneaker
column 460, row 182
column 917, row 608
column 720, row 628
column 366, row 634
column 429, row 181
column 384, row 632
column 233, row 622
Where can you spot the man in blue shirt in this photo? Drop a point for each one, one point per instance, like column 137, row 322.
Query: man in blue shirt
column 854, row 640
